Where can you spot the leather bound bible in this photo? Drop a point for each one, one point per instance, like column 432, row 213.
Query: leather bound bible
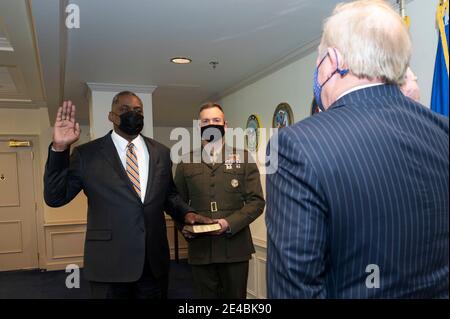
column 202, row 228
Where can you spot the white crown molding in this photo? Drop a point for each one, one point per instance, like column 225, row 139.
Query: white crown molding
column 108, row 87
column 290, row 58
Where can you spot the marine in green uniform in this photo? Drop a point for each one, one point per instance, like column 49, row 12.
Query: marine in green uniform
column 226, row 187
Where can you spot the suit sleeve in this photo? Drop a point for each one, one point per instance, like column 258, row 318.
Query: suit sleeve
column 180, row 184
column 296, row 219
column 254, row 201
column 62, row 177
column 175, row 204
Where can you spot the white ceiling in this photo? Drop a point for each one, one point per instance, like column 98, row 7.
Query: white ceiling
column 131, row 42
column 21, row 84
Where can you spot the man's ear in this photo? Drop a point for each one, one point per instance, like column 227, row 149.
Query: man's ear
column 334, row 56
column 111, row 117
column 225, row 125
column 337, row 59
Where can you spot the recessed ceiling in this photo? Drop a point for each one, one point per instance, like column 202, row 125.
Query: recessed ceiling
column 7, row 85
column 132, row 42
column 20, row 74
column 5, row 45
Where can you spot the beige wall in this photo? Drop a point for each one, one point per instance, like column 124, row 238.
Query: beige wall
column 57, row 227
column 162, row 135
column 291, row 84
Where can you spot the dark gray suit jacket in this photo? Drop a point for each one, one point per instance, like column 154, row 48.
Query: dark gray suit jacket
column 121, row 230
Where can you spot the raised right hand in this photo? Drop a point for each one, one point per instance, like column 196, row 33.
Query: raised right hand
column 66, row 130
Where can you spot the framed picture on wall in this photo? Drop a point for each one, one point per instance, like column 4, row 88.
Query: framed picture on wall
column 282, row 116
column 253, row 133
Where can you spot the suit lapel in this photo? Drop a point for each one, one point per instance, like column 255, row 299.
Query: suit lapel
column 153, row 159
column 109, row 151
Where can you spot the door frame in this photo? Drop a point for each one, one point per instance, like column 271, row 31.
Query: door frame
column 38, row 192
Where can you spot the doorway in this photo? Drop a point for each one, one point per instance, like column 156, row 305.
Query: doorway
column 18, row 208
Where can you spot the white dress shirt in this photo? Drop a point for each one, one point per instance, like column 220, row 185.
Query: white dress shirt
column 142, row 156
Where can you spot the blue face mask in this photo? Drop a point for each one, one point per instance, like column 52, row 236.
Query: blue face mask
column 317, row 87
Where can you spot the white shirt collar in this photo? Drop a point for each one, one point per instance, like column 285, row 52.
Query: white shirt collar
column 123, row 143
column 359, row 87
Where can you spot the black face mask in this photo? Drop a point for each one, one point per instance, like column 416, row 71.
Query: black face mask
column 131, row 123
column 212, row 133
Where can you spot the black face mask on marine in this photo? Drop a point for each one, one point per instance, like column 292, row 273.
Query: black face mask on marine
column 212, row 133
column 131, row 122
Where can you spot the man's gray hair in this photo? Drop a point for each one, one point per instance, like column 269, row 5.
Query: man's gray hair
column 372, row 38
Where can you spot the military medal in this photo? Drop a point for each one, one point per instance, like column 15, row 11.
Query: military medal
column 238, row 161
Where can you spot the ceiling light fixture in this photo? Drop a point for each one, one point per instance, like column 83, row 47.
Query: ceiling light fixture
column 180, row 60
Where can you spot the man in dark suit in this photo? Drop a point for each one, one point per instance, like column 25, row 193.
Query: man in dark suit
column 362, row 209
column 127, row 179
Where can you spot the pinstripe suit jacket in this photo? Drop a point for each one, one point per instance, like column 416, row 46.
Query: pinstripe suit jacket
column 365, row 183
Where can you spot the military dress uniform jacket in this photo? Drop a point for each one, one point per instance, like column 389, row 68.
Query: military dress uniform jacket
column 230, row 189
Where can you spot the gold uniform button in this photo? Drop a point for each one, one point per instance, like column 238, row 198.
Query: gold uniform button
column 234, row 183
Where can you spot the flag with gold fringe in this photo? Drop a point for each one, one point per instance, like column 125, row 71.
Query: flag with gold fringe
column 439, row 96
